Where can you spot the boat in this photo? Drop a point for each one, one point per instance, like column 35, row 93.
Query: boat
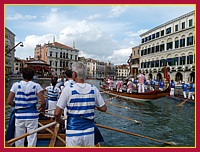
column 52, row 136
column 49, row 134
column 146, row 96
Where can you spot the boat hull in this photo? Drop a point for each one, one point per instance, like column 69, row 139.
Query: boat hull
column 146, row 96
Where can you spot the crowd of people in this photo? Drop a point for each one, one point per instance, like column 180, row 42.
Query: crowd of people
column 140, row 84
column 69, row 98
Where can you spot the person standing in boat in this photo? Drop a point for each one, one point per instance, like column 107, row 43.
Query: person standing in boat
column 152, row 85
column 191, row 91
column 24, row 97
column 80, row 100
column 172, row 86
column 141, row 79
column 53, row 93
column 111, row 84
column 129, row 86
column 161, row 85
column 119, row 85
column 184, row 87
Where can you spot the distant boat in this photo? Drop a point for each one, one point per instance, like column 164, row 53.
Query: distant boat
column 146, row 96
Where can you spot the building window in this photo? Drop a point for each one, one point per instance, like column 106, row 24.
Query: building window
column 169, row 45
column 56, row 63
column 190, row 41
column 162, row 47
column 60, row 54
column 157, row 34
column 50, row 53
column 183, row 25
column 153, row 48
column 168, row 30
column 149, row 37
column 176, row 43
column 190, row 23
column 153, row 36
column 50, row 62
column 182, row 42
column 162, row 33
column 56, row 54
column 134, row 53
column 157, row 48
column 149, row 50
column 143, row 40
column 146, row 39
column 176, row 27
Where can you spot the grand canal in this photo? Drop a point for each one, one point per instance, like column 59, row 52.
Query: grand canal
column 161, row 119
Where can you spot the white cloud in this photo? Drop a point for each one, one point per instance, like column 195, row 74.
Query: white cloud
column 18, row 16
column 120, row 56
column 116, row 11
column 94, row 16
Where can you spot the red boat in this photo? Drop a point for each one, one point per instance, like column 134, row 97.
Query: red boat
column 146, row 96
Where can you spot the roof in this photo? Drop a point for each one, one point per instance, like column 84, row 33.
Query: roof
column 37, row 62
column 59, row 45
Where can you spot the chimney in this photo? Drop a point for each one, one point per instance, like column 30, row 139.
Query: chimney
column 73, row 45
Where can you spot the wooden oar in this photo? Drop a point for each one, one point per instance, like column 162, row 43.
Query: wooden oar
column 182, row 102
column 107, row 102
column 139, row 122
column 134, row 134
column 50, row 131
column 53, row 138
column 32, row 132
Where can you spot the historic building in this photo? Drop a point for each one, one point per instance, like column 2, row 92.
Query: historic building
column 9, row 57
column 59, row 56
column 122, row 71
column 133, row 61
column 171, row 44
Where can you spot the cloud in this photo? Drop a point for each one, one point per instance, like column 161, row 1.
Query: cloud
column 120, row 56
column 18, row 16
column 95, row 16
column 116, row 11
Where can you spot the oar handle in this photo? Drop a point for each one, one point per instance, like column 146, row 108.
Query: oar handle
column 32, row 132
column 133, row 134
column 17, row 138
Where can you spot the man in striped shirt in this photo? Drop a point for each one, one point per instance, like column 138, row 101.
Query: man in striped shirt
column 24, row 97
column 80, row 100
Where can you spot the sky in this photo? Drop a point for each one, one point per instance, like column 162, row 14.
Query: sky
column 102, row 32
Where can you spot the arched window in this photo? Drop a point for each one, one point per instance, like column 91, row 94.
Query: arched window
column 176, row 42
column 182, row 41
column 190, row 39
column 169, row 44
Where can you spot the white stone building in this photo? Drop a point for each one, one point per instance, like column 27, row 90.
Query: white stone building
column 59, row 56
column 171, row 44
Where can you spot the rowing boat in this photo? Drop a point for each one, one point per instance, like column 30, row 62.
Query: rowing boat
column 53, row 136
column 146, row 96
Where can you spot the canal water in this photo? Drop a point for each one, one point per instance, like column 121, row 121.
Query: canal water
column 161, row 121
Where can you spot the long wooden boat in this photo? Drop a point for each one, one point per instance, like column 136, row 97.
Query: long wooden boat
column 146, row 96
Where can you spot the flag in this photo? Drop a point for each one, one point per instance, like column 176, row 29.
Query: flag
column 165, row 73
